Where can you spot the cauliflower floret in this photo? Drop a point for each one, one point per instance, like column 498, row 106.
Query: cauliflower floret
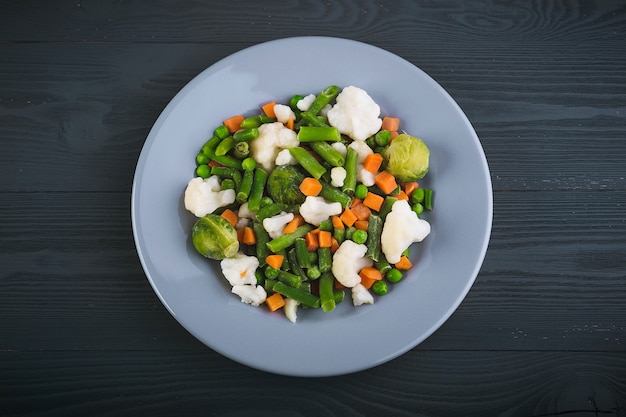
column 285, row 157
column 204, row 196
column 325, row 110
column 290, row 308
column 250, row 294
column 355, row 114
column 348, row 261
column 275, row 225
column 272, row 138
column 304, row 103
column 283, row 113
column 240, row 269
column 337, row 176
column 315, row 210
column 340, row 147
column 362, row 150
column 360, row 295
column 362, row 175
column 365, row 177
column 244, row 211
column 402, row 227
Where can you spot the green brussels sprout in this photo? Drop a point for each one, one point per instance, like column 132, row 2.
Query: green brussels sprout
column 283, row 185
column 407, row 158
column 214, row 237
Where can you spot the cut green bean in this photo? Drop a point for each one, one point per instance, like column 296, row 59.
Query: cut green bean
column 302, row 253
column 308, row 162
column 225, row 146
column 202, row 159
column 382, row 138
column 290, row 279
column 245, row 187
column 339, row 295
column 326, row 225
column 285, row 241
column 246, row 134
column 331, row 193
column 270, row 210
column 428, row 199
column 383, row 265
column 374, row 230
column 227, row 184
column 319, row 133
column 271, row 273
column 302, row 297
column 223, row 172
column 326, row 290
column 221, row 132
column 323, row 98
column 313, row 272
column 295, row 265
column 349, row 183
column 209, row 147
column 312, row 120
column 248, row 122
column 241, row 150
column 339, row 235
column 325, row 259
column 258, row 187
column 328, row 153
column 293, row 102
column 386, row 208
column 262, row 237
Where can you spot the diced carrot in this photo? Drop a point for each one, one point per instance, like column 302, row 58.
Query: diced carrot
column 337, row 223
column 233, row 123
column 409, row 187
column 373, row 201
column 367, row 282
column 361, row 224
column 310, row 187
column 334, row 245
column 372, row 162
column 391, row 124
column 240, row 235
column 371, row 272
column 312, row 241
column 361, row 211
column 338, row 285
column 404, row 263
column 356, row 202
column 275, row 261
column 294, row 224
column 275, row 301
column 249, row 238
column 401, row 196
column 348, row 217
column 268, row 109
column 386, row 182
column 230, row 216
column 290, row 123
column 324, row 239
column 213, row 163
column 394, row 135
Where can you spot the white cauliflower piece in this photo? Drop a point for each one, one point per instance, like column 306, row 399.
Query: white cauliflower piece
column 285, row 157
column 325, row 110
column 204, row 196
column 242, row 222
column 365, row 177
column 290, row 308
column 337, row 176
column 304, row 103
column 240, row 269
column 361, row 295
column 362, row 150
column 348, row 261
column 362, row 175
column 275, row 224
column 340, row 147
column 355, row 114
column 316, row 209
column 272, row 138
column 244, row 211
column 402, row 227
column 250, row 294
column 283, row 113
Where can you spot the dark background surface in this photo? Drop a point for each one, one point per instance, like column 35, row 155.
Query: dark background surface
column 541, row 333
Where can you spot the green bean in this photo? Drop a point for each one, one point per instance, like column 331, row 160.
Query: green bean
column 313, row 272
column 248, row 122
column 326, row 290
column 295, row 265
column 266, row 119
column 328, row 153
column 221, row 132
column 202, row 159
column 350, row 232
column 286, row 266
column 305, row 286
column 428, row 199
column 258, row 187
column 225, row 146
column 339, row 295
column 326, row 225
column 260, row 278
column 374, row 229
column 382, row 138
column 245, row 187
column 265, row 201
column 237, row 178
column 349, row 183
column 323, row 98
column 227, row 184
column 290, row 279
column 293, row 102
column 270, row 210
column 262, row 238
column 339, row 235
column 302, row 253
column 302, row 297
column 288, row 239
column 325, row 259
column 386, row 208
column 246, row 134
column 203, row 171
column 331, row 193
column 241, row 150
column 312, row 120
column 209, row 147
column 268, row 286
column 227, row 161
column 271, row 272
column 319, row 133
column 308, row 162
column 383, row 265
column 223, row 172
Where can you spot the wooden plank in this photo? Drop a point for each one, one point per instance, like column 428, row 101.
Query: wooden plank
column 418, row 383
column 553, row 277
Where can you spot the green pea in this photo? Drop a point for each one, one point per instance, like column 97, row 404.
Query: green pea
column 271, row 273
column 248, row 164
column 203, row 171
column 418, row 208
column 359, row 236
column 360, row 191
column 394, row 275
column 418, row 196
column 202, row 159
column 380, row 288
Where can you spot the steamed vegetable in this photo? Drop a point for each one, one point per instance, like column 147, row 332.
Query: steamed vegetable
column 407, row 158
column 283, row 185
column 214, row 237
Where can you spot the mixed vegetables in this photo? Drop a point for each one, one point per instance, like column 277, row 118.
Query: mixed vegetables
column 308, row 200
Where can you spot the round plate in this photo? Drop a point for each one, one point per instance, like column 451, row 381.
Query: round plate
column 350, row 338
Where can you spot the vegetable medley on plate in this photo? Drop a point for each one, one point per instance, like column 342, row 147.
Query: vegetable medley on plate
column 306, row 201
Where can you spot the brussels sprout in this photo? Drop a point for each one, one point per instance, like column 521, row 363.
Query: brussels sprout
column 407, row 158
column 214, row 237
column 283, row 185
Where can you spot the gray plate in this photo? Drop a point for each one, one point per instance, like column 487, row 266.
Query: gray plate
column 349, row 339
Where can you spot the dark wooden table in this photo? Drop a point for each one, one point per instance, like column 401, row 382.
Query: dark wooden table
column 541, row 333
